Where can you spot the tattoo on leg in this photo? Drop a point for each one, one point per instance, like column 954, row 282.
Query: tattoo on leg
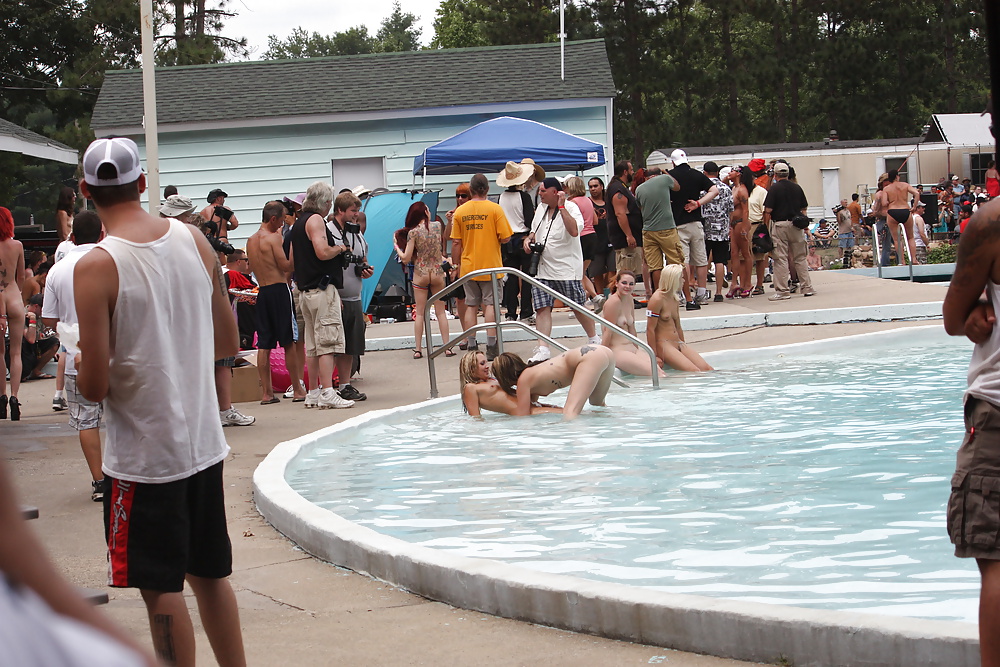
column 163, row 637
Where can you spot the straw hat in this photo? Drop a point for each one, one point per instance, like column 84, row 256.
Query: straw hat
column 360, row 191
column 514, row 174
column 539, row 172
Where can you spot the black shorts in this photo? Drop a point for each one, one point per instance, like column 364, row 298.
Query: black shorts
column 590, row 244
column 158, row 533
column 31, row 353
column 354, row 327
column 273, row 314
column 602, row 262
column 718, row 251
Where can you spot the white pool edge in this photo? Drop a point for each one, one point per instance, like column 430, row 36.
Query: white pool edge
column 725, row 628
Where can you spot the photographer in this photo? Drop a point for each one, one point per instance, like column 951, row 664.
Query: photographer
column 347, row 232
column 554, row 243
column 220, row 219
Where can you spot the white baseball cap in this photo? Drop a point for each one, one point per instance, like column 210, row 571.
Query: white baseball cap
column 120, row 153
column 679, row 157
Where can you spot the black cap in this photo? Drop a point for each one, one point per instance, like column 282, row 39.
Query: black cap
column 552, row 182
column 710, row 168
column 215, row 194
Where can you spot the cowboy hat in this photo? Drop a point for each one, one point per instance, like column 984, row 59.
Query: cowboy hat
column 514, row 174
column 539, row 172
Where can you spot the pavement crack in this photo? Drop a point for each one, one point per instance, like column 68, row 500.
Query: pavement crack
column 280, row 602
column 280, row 562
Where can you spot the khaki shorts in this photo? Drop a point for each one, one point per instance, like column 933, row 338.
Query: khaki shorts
column 974, row 505
column 692, row 237
column 300, row 322
column 480, row 292
column 629, row 259
column 324, row 325
column 665, row 243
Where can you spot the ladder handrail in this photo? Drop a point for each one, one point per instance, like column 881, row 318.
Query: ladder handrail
column 499, row 326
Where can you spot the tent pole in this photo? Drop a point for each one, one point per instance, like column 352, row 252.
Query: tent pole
column 562, row 39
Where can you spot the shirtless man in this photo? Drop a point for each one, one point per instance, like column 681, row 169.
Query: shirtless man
column 663, row 326
column 970, row 515
column 897, row 195
column 273, row 312
column 482, row 392
column 221, row 221
column 11, row 257
column 587, row 370
column 628, row 357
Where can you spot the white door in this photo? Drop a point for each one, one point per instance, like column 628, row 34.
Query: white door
column 831, row 190
column 366, row 171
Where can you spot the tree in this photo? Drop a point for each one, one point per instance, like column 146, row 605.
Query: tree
column 197, row 34
column 301, row 44
column 458, row 24
column 398, row 32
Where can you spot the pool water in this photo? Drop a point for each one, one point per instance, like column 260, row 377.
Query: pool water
column 816, row 480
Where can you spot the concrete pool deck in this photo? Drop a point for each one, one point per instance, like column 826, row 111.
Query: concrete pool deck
column 297, row 610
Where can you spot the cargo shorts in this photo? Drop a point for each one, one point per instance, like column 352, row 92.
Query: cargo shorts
column 974, row 505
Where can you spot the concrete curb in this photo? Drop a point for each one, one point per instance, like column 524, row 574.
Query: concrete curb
column 726, row 628
column 885, row 313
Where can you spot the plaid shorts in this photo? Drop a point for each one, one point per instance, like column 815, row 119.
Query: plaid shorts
column 83, row 414
column 571, row 289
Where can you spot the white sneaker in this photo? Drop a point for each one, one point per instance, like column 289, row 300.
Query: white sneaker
column 704, row 298
column 331, row 399
column 599, row 303
column 540, row 354
column 312, row 398
column 290, row 392
column 594, row 340
column 233, row 417
column 589, row 303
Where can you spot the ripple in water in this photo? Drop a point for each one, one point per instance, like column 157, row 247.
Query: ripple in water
column 806, row 480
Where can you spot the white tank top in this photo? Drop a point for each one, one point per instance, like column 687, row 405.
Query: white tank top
column 162, row 411
column 984, row 368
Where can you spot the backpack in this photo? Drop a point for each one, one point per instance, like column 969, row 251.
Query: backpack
column 761, row 241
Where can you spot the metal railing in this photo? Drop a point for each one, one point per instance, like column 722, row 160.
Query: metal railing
column 899, row 251
column 500, row 326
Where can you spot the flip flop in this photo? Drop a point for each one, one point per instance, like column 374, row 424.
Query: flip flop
column 274, row 399
column 43, row 376
column 298, row 400
column 417, row 354
column 449, row 352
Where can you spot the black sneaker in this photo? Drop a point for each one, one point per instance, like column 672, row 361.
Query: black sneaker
column 693, row 305
column 492, row 351
column 349, row 393
column 99, row 487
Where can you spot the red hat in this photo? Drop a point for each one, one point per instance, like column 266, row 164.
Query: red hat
column 756, row 164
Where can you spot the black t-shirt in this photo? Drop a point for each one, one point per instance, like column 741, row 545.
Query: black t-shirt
column 785, row 199
column 693, row 183
column 309, row 269
column 634, row 215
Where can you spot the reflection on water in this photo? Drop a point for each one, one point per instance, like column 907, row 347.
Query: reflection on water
column 806, row 480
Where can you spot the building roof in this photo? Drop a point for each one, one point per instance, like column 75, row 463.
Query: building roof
column 17, row 139
column 768, row 149
column 234, row 92
column 961, row 129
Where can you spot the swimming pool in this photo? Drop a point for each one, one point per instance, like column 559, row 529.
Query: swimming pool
column 786, row 478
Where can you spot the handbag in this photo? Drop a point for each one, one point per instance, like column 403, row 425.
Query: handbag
column 801, row 221
column 761, row 240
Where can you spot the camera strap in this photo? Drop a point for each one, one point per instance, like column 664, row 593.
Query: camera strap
column 552, row 219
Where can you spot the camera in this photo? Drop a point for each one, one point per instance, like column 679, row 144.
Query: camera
column 446, row 266
column 838, row 208
column 221, row 246
column 535, row 258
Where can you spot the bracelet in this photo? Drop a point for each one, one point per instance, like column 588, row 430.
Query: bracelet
column 562, row 207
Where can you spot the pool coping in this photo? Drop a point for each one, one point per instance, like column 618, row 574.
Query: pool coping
column 726, row 628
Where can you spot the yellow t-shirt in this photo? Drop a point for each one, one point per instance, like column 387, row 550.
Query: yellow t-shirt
column 480, row 225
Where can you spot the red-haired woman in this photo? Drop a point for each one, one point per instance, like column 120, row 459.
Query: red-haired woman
column 424, row 249
column 12, row 259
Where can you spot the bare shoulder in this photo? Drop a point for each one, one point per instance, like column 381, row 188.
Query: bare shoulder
column 97, row 259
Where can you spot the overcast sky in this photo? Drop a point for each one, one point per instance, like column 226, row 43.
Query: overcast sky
column 259, row 18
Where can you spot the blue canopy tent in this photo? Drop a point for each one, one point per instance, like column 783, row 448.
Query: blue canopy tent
column 386, row 212
column 488, row 146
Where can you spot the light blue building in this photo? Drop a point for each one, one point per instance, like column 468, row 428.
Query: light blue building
column 262, row 130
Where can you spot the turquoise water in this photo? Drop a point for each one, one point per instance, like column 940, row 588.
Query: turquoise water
column 816, row 480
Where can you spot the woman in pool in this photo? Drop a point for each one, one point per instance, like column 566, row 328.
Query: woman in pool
column 628, row 357
column 587, row 370
column 663, row 325
column 424, row 250
column 482, row 392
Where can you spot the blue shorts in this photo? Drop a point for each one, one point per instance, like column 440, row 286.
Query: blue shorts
column 846, row 240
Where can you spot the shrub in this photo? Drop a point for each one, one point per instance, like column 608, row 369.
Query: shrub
column 943, row 254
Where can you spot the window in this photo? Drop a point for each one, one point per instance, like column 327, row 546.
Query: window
column 978, row 163
column 897, row 164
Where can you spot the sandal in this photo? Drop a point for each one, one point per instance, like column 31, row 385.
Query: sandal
column 758, row 290
column 733, row 293
column 745, row 294
column 417, row 354
column 449, row 352
column 42, row 376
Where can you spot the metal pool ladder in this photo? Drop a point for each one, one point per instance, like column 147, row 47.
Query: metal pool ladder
column 501, row 325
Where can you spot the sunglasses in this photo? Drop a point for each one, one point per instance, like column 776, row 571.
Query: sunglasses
column 461, row 196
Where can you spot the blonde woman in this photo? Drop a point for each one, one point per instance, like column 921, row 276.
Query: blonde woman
column 482, row 392
column 628, row 357
column 663, row 325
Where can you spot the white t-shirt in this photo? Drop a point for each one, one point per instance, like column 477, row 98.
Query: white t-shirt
column 513, row 208
column 562, row 258
column 62, row 250
column 59, row 302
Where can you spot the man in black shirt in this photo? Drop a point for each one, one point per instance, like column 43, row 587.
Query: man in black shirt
column 784, row 201
column 625, row 221
column 686, row 205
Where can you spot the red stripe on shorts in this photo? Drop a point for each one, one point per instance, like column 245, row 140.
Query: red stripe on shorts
column 122, row 496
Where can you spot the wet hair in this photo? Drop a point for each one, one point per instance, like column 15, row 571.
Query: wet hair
column 621, row 167
column 6, row 224
column 574, row 187
column 467, row 372
column 272, row 209
column 346, row 200
column 479, row 185
column 86, row 227
column 507, row 368
column 670, row 279
column 65, row 202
